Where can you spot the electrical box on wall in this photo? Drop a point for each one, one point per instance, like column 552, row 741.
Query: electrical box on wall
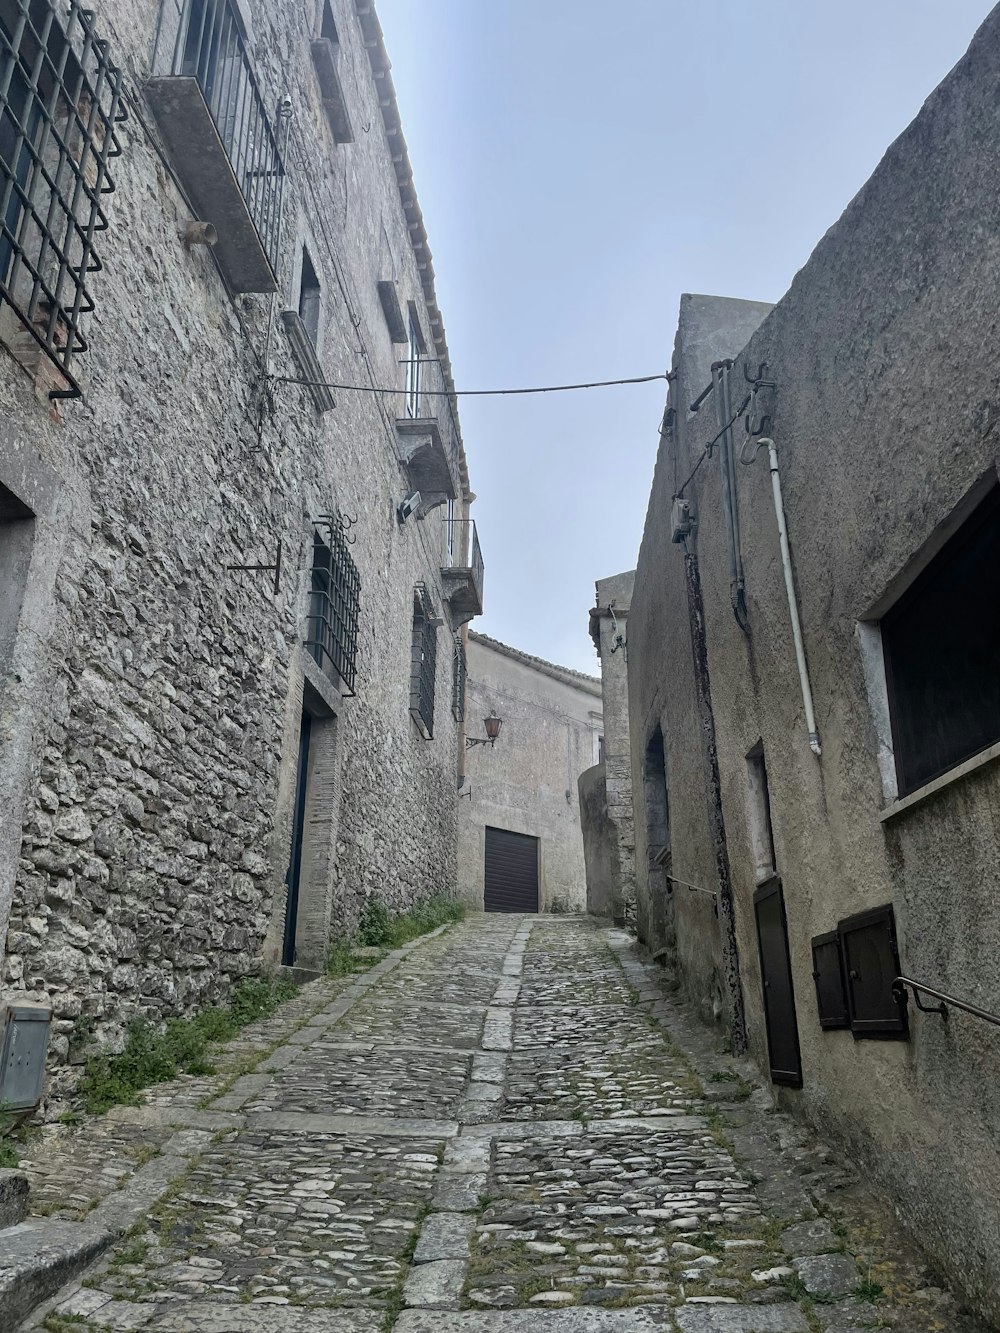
column 681, row 519
column 24, row 1043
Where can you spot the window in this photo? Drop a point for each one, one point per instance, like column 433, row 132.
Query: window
column 941, row 646
column 828, row 974
column 657, row 812
column 460, row 673
column 600, row 749
column 414, row 346
column 759, row 809
column 57, row 134
column 871, row 965
column 450, row 533
column 309, row 298
column 423, row 662
column 328, row 29
column 334, row 602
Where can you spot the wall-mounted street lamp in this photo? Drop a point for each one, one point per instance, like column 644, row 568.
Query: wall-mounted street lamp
column 492, row 725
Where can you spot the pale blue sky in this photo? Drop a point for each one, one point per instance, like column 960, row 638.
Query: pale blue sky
column 579, row 165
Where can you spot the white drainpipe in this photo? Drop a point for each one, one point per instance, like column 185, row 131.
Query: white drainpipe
column 793, row 610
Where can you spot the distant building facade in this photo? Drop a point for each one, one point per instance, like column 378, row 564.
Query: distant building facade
column 230, row 594
column 520, row 843
column 814, row 676
column 606, row 790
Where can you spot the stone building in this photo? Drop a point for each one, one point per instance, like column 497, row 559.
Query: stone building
column 814, row 658
column 606, row 790
column 230, row 592
column 520, row 845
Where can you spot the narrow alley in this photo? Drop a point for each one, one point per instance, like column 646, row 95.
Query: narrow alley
column 507, row 1126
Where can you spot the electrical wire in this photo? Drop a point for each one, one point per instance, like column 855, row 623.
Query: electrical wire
column 468, row 393
column 707, row 451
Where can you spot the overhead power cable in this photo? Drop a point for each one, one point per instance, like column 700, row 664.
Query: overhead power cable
column 465, row 393
column 707, row 451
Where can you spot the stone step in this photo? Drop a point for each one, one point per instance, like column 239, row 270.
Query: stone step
column 37, row 1257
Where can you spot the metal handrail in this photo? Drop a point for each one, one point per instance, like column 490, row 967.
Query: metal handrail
column 899, row 991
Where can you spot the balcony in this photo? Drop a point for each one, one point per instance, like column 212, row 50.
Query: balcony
column 211, row 116
column 423, row 454
column 463, row 583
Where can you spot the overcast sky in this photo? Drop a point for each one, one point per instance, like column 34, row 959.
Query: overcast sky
column 579, row 165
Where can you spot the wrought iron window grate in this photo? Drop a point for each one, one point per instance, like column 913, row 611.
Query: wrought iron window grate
column 423, row 662
column 60, row 100
column 334, row 604
column 211, row 47
column 461, row 671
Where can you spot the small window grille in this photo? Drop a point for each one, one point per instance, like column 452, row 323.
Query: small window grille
column 871, row 965
column 423, row 662
column 828, row 974
column 61, row 99
column 334, row 603
column 461, row 671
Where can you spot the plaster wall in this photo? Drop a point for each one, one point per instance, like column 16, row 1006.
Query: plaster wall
column 151, row 699
column 885, row 417
column 527, row 782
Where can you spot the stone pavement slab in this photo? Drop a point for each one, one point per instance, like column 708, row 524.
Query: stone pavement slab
column 536, row 1321
column 742, row 1319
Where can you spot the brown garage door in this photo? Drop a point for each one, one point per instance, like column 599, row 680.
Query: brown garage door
column 511, row 871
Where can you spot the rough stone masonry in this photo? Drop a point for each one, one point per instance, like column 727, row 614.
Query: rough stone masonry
column 152, row 691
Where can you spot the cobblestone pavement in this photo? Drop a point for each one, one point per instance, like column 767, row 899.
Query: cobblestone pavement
column 508, row 1128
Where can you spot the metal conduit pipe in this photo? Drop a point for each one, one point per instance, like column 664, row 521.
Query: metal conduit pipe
column 793, row 609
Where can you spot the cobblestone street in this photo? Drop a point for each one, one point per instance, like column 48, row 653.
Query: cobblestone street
column 506, row 1127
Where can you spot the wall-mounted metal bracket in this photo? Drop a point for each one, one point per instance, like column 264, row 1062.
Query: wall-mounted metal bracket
column 274, row 569
column 901, row 995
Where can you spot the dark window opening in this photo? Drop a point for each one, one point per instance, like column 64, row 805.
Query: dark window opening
column 334, row 604
column 828, row 974
column 310, row 298
column 871, row 965
column 600, row 749
column 460, row 673
column 941, row 644
column 423, row 662
column 658, row 858
column 328, row 28
column 57, row 135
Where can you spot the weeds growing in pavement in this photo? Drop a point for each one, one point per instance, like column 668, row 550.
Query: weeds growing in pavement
column 379, row 929
column 153, row 1055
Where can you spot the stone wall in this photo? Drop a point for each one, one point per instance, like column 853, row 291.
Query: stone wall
column 609, row 630
column 527, row 782
column 600, row 845
column 151, row 697
column 884, row 417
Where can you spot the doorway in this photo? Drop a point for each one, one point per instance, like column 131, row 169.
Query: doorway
column 511, row 883
column 293, row 876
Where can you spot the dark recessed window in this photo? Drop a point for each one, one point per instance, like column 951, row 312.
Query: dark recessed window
column 334, row 604
column 328, row 30
column 871, row 965
column 828, row 973
column 60, row 103
column 941, row 643
column 310, row 298
column 423, row 662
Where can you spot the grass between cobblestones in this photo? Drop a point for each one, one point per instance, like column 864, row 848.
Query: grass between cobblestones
column 153, row 1055
column 379, row 929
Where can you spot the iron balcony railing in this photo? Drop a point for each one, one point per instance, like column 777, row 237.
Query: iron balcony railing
column 466, row 551
column 60, row 100
column 334, row 604
column 211, row 48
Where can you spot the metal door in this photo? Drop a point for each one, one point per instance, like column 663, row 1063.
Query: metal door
column 776, row 974
column 511, row 871
column 298, row 831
